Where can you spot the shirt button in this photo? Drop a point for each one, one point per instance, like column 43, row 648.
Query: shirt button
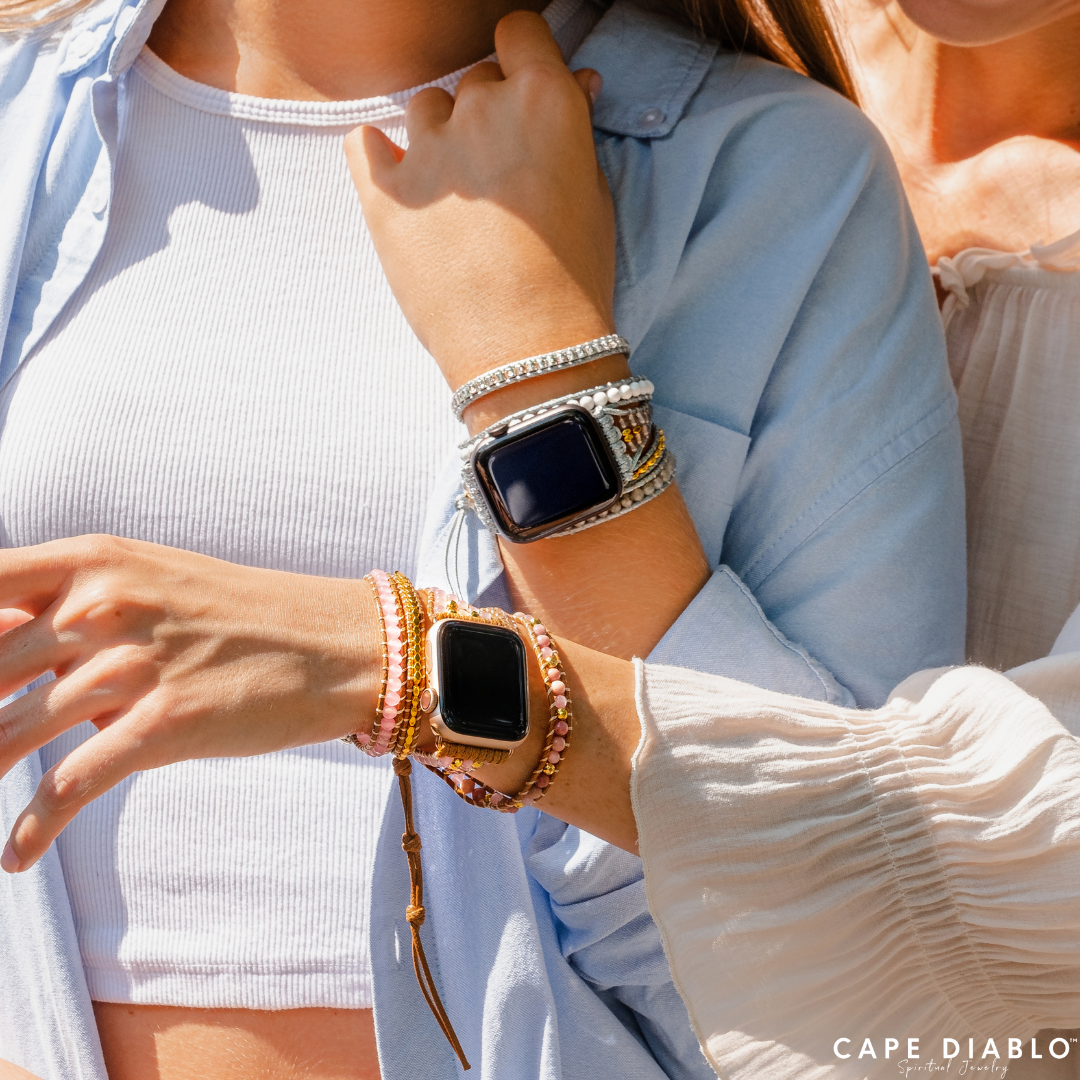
column 651, row 118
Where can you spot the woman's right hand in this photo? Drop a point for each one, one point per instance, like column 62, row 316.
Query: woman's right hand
column 172, row 656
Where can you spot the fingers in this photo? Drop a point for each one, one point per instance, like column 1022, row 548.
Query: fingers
column 523, row 38
column 428, row 109
column 12, row 617
column 591, row 83
column 487, row 72
column 88, row 771
column 38, row 717
column 372, row 158
column 30, row 577
column 30, row 650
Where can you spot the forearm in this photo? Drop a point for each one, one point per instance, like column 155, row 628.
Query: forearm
column 592, row 789
column 620, row 585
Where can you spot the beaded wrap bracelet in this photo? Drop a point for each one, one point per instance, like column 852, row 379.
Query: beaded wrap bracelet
column 532, row 366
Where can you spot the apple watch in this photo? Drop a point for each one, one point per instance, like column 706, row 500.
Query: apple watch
column 545, row 470
column 477, row 692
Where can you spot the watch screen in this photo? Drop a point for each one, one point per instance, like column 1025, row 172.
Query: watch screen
column 556, row 470
column 482, row 683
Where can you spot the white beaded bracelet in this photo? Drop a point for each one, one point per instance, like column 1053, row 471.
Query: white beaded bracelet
column 529, row 368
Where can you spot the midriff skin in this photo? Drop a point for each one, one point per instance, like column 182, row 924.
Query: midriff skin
column 157, row 1042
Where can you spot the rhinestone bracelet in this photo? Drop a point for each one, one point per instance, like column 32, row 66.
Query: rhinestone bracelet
column 520, row 370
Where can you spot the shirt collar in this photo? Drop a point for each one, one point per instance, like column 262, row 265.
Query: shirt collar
column 651, row 66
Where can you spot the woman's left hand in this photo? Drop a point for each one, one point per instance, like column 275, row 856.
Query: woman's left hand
column 171, row 655
column 496, row 228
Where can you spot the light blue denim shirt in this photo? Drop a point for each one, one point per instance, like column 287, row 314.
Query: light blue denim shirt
column 774, row 289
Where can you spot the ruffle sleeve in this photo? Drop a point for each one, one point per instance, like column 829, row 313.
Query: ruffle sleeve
column 821, row 874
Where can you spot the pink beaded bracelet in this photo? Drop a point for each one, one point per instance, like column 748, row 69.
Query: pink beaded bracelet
column 392, row 705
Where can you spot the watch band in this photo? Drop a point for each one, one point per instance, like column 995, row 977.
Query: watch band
column 624, row 413
column 529, row 368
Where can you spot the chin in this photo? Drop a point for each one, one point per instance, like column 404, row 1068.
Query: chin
column 984, row 22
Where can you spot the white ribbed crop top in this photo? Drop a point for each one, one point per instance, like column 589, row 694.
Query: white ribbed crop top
column 233, row 377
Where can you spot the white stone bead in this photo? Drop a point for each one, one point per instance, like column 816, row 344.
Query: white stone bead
column 527, row 417
column 649, row 388
column 600, row 399
column 637, row 494
column 627, row 502
column 466, row 453
column 586, row 402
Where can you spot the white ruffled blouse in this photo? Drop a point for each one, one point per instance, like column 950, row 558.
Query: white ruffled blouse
column 855, row 880
column 1012, row 322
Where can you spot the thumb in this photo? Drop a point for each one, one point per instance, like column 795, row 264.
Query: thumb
column 372, row 160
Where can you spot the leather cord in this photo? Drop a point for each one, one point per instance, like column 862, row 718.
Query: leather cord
column 414, row 913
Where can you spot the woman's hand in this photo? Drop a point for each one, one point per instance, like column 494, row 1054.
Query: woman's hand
column 172, row 656
column 496, row 232
column 496, row 229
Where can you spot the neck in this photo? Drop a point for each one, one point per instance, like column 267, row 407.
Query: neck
column 326, row 50
column 940, row 103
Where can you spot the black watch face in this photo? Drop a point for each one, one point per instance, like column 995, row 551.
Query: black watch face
column 555, row 471
column 482, row 682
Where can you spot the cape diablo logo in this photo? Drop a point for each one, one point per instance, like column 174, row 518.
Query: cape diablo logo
column 988, row 1061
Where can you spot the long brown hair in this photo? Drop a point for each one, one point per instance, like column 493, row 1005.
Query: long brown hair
column 795, row 33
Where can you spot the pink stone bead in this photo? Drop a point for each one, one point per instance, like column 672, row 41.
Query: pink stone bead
column 558, row 743
column 562, row 727
column 393, row 633
column 393, row 686
column 542, row 640
column 543, row 780
column 553, row 757
column 558, row 686
column 394, row 672
column 560, row 701
column 389, row 713
column 551, row 673
column 394, row 649
column 363, row 738
column 497, row 798
column 547, row 653
column 539, row 629
column 392, row 698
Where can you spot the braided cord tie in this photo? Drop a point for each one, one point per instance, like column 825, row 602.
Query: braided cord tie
column 414, row 913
